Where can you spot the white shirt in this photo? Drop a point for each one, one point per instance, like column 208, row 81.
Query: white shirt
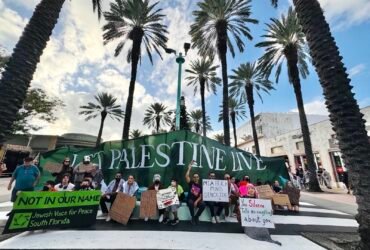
column 60, row 187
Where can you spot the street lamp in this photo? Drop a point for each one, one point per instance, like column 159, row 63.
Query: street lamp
column 180, row 59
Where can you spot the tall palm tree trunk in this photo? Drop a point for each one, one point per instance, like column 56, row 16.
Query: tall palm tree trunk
column 157, row 123
column 233, row 121
column 292, row 59
column 22, row 64
column 136, row 42
column 204, row 122
column 103, row 116
column 344, row 112
column 221, row 28
column 250, row 100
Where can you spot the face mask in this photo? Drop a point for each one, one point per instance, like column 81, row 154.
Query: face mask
column 118, row 179
column 156, row 182
column 173, row 183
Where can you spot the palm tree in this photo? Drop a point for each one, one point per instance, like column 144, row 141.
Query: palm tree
column 236, row 112
column 214, row 22
column 286, row 41
column 156, row 115
column 345, row 114
column 219, row 138
column 106, row 106
column 248, row 78
column 197, row 122
column 135, row 133
column 138, row 21
column 19, row 72
column 203, row 74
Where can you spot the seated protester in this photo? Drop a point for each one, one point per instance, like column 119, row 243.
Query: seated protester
column 213, row 205
column 157, row 185
column 276, row 187
column 85, row 185
column 65, row 185
column 259, row 182
column 97, row 177
column 174, row 208
column 130, row 186
column 66, row 168
column 294, row 195
column 49, row 186
column 83, row 168
column 243, row 186
column 195, row 195
column 110, row 194
column 233, row 196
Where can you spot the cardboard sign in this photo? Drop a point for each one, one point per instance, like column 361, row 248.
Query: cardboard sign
column 53, row 167
column 256, row 213
column 148, row 204
column 122, row 208
column 215, row 190
column 167, row 197
column 265, row 192
column 281, row 200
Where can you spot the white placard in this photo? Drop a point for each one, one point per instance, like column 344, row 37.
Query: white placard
column 167, row 197
column 256, row 213
column 215, row 190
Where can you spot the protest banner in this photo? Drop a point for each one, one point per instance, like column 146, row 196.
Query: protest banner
column 281, row 200
column 42, row 210
column 215, row 190
column 256, row 213
column 167, row 197
column 53, row 167
column 148, row 204
column 264, row 192
column 122, row 208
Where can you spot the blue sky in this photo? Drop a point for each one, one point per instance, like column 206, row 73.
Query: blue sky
column 76, row 65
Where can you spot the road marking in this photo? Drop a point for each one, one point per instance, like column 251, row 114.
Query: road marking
column 6, row 204
column 320, row 210
column 310, row 220
column 306, row 204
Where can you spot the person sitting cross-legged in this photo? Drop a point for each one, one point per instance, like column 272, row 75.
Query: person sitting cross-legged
column 174, row 208
column 110, row 194
column 213, row 205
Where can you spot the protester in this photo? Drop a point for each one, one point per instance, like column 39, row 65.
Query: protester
column 173, row 208
column 195, row 195
column 130, row 187
column 85, row 185
column 82, row 169
column 2, row 167
column 157, row 185
column 66, row 168
column 65, row 184
column 296, row 181
column 319, row 175
column 110, row 194
column 294, row 195
column 327, row 178
column 276, row 187
column 215, row 217
column 244, row 186
column 49, row 186
column 233, row 189
column 26, row 177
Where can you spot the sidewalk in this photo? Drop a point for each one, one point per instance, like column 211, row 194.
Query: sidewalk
column 4, row 193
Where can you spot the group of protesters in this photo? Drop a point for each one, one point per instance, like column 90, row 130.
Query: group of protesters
column 87, row 176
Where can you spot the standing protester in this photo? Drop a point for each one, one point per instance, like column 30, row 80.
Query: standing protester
column 294, row 195
column 26, row 177
column 233, row 196
column 66, row 168
column 65, row 185
column 215, row 217
column 327, row 178
column 81, row 170
column 130, row 187
column 157, row 185
column 110, row 194
column 195, row 195
column 174, row 208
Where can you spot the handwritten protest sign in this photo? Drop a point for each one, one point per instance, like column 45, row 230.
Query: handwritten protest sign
column 264, row 192
column 148, row 204
column 256, row 213
column 122, row 208
column 167, row 197
column 215, row 190
column 53, row 167
column 281, row 200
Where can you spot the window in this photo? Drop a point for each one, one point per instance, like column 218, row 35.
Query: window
column 299, row 146
column 277, row 150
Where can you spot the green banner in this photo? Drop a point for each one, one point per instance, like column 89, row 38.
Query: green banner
column 169, row 154
column 42, row 210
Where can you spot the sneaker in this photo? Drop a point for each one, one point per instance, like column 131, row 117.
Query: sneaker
column 160, row 218
column 175, row 222
column 218, row 219
column 213, row 220
column 146, row 219
column 165, row 220
column 108, row 218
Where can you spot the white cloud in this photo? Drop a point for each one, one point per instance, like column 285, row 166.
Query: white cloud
column 356, row 70
column 346, row 13
column 315, row 107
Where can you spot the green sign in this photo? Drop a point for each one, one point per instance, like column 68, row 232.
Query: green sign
column 169, row 154
column 42, row 210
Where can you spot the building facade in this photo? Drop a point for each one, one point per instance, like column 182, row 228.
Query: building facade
column 280, row 135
